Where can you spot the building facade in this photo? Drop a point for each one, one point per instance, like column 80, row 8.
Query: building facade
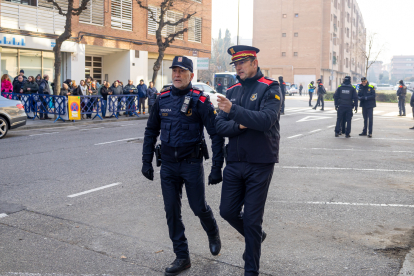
column 111, row 40
column 304, row 40
column 402, row 67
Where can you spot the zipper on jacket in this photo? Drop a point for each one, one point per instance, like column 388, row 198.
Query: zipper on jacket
column 176, row 154
column 241, row 104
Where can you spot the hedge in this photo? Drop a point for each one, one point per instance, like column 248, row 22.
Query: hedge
column 380, row 97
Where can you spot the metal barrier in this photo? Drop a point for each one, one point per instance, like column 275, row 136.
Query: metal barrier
column 91, row 105
column 49, row 104
column 7, row 95
column 26, row 99
column 119, row 103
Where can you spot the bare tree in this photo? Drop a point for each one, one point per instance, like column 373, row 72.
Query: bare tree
column 68, row 13
column 371, row 52
column 164, row 42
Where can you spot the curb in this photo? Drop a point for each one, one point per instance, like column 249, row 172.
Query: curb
column 69, row 124
column 408, row 265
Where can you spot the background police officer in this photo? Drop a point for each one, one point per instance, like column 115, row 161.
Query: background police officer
column 181, row 114
column 249, row 117
column 412, row 105
column 311, row 89
column 321, row 93
column 345, row 99
column 401, row 93
column 283, row 90
column 366, row 96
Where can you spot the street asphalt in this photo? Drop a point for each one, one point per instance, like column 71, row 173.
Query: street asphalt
column 73, row 201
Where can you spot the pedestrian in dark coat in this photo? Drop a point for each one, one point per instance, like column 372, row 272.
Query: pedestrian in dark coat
column 18, row 85
column 38, row 79
column 300, row 89
column 142, row 94
column 30, row 86
column 152, row 96
column 321, row 93
column 401, row 93
column 24, row 78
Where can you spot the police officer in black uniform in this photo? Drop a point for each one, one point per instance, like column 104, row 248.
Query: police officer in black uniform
column 366, row 97
column 249, row 117
column 401, row 93
column 181, row 113
column 283, row 90
column 345, row 99
column 321, row 93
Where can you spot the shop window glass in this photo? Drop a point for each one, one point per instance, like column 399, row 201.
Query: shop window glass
column 9, row 62
column 48, row 65
column 31, row 62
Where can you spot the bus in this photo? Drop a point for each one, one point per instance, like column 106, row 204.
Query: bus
column 224, row 80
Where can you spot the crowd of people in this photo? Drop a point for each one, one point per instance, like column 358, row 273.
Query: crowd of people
column 88, row 87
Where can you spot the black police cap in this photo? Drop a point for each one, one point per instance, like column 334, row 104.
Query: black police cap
column 363, row 79
column 182, row 62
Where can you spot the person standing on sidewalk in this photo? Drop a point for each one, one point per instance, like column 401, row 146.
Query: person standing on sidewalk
column 152, row 96
column 412, row 106
column 366, row 97
column 311, row 89
column 44, row 89
column 181, row 113
column 249, row 117
column 142, row 94
column 401, row 94
column 300, row 89
column 131, row 90
column 321, row 93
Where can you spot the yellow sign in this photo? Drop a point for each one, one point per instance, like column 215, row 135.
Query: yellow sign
column 74, row 108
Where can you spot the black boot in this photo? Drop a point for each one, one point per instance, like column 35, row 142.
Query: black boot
column 363, row 134
column 411, row 127
column 178, row 266
column 263, row 238
column 214, row 243
column 348, row 136
column 336, row 134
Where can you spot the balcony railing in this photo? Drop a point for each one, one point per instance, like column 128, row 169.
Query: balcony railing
column 29, row 18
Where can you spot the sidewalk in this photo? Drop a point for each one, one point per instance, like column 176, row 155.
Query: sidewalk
column 36, row 124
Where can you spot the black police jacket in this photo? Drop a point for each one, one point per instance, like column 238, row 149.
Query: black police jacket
column 321, row 89
column 180, row 133
column 412, row 100
column 402, row 91
column 256, row 105
column 346, row 96
column 366, row 95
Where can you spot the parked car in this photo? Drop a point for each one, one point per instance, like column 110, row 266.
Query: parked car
column 203, row 87
column 12, row 115
column 292, row 90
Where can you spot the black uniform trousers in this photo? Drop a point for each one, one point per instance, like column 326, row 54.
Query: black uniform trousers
column 344, row 113
column 310, row 98
column 401, row 105
column 246, row 184
column 320, row 101
column 173, row 175
column 368, row 114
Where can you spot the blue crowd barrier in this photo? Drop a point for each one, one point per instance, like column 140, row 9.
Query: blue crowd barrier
column 123, row 103
column 91, row 105
column 49, row 104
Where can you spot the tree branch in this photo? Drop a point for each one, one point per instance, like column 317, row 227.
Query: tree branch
column 81, row 8
column 184, row 19
column 57, row 7
column 169, row 39
column 149, row 10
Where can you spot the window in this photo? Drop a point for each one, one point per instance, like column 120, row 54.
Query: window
column 24, row 2
column 94, row 14
column 295, row 54
column 194, row 29
column 283, row 34
column 296, row 15
column 296, row 34
column 285, row 15
column 169, row 16
column 121, row 14
column 283, row 54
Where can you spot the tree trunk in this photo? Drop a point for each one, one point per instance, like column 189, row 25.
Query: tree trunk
column 157, row 65
column 58, row 63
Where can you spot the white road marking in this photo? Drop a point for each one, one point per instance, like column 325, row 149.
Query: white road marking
column 295, row 136
column 3, row 215
column 110, row 142
column 91, row 128
column 128, row 125
column 316, row 130
column 348, row 203
column 377, row 112
column 391, row 114
column 331, row 111
column 331, row 126
column 313, row 118
column 356, row 119
column 394, row 151
column 43, row 133
column 343, row 169
column 94, row 190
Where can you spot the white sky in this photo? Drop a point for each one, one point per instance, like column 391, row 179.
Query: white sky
column 393, row 21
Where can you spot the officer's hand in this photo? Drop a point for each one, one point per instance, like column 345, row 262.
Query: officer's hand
column 224, row 103
column 356, row 110
column 336, row 107
column 215, row 176
column 242, row 127
column 147, row 170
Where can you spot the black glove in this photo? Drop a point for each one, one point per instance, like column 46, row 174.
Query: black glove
column 147, row 170
column 215, row 176
column 336, row 107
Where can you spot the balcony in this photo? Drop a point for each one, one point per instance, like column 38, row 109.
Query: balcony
column 29, row 18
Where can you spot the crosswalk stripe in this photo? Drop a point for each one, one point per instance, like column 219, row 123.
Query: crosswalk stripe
column 391, row 114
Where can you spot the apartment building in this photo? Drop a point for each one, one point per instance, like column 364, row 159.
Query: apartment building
column 374, row 71
column 304, row 40
column 402, row 67
column 111, row 40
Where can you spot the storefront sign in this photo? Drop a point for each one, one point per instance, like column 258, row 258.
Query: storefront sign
column 31, row 42
column 74, row 108
column 203, row 63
